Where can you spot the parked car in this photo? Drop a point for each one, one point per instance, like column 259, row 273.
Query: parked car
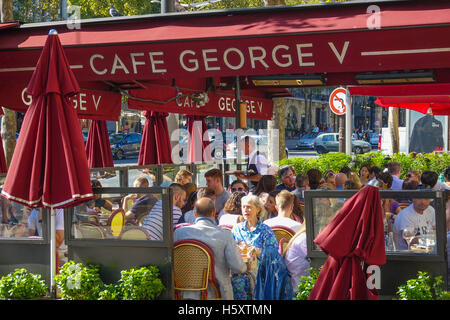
column 327, row 142
column 307, row 140
column 374, row 139
column 125, row 144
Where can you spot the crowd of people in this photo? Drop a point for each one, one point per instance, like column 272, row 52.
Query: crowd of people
column 239, row 218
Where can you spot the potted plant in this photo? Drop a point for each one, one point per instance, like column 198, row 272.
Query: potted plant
column 141, row 283
column 424, row 287
column 78, row 281
column 306, row 284
column 22, row 285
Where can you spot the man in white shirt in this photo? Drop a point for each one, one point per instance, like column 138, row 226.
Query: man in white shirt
column 257, row 162
column 285, row 205
column 418, row 215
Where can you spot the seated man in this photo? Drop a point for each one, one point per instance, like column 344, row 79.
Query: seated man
column 287, row 178
column 285, row 205
column 183, row 177
column 420, row 216
column 302, row 184
column 189, row 216
column 226, row 255
column 153, row 222
column 142, row 204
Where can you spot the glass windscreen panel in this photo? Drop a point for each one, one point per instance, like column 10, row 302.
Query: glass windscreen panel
column 21, row 222
column 409, row 223
column 119, row 216
column 142, row 177
column 169, row 173
column 107, row 177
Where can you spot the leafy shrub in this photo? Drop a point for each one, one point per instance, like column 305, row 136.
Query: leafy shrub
column 306, row 284
column 436, row 162
column 423, row 288
column 112, row 291
column 22, row 285
column 78, row 281
column 141, row 283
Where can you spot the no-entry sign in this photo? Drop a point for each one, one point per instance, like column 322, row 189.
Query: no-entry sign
column 338, row 101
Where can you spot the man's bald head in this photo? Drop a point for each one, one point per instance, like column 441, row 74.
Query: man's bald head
column 204, row 207
column 339, row 179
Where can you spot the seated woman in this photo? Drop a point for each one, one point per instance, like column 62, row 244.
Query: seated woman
column 232, row 211
column 254, row 236
column 268, row 201
column 100, row 204
column 267, row 183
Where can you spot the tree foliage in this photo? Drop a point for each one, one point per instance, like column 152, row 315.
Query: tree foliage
column 50, row 10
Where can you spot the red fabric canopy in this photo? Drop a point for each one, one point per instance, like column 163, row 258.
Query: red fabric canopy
column 355, row 234
column 155, row 145
column 98, row 148
column 198, row 139
column 438, row 108
column 3, row 166
column 432, row 89
column 49, row 166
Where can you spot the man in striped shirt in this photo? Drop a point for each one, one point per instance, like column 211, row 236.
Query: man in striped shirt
column 153, row 222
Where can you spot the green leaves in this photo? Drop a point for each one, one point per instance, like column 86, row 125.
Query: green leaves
column 22, row 285
column 423, row 288
column 78, row 281
column 306, row 284
column 141, row 283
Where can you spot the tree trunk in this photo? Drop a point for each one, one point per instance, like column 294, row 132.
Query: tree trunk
column 341, row 134
column 9, row 120
column 276, row 129
column 393, row 130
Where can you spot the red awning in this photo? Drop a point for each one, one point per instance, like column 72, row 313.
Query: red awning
column 219, row 104
column 8, row 25
column 89, row 104
column 332, row 39
column 437, row 108
column 432, row 89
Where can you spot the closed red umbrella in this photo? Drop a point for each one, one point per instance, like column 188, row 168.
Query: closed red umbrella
column 155, row 144
column 98, row 148
column 355, row 235
column 198, row 139
column 49, row 166
column 3, row 167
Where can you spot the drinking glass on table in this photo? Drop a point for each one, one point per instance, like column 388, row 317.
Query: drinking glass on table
column 408, row 234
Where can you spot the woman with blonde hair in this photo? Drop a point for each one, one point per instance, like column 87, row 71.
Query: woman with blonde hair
column 252, row 236
column 295, row 256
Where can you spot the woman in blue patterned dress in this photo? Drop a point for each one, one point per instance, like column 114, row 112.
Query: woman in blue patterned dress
column 255, row 234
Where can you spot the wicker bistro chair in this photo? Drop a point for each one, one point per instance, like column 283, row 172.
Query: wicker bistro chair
column 134, row 233
column 193, row 268
column 89, row 230
column 282, row 245
column 116, row 221
column 283, row 232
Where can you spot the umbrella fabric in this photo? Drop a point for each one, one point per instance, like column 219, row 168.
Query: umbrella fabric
column 98, row 148
column 198, row 141
column 49, row 166
column 438, row 108
column 355, row 235
column 155, row 145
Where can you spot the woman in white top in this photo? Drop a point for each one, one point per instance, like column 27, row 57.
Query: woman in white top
column 295, row 256
column 231, row 213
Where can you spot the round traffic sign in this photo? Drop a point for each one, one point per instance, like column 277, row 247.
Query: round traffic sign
column 338, row 101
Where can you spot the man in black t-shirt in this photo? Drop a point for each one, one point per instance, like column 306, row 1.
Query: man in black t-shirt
column 427, row 135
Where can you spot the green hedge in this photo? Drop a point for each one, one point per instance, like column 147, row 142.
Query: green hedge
column 437, row 162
